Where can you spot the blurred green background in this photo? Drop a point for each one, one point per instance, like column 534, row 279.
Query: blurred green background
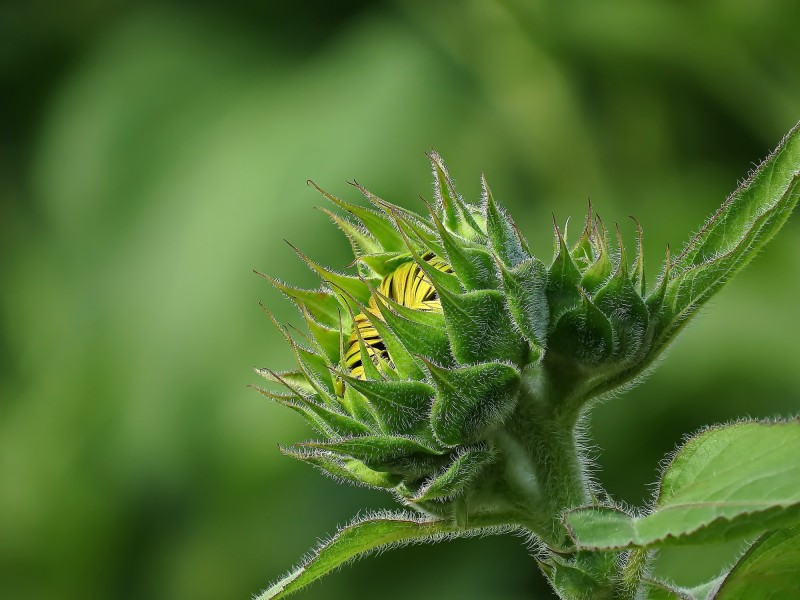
column 153, row 153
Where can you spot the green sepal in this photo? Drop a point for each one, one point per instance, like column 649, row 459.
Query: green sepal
column 393, row 453
column 504, row 237
column 326, row 337
column 457, row 476
column 583, row 252
column 393, row 210
column 425, row 318
column 323, row 305
column 384, row 263
column 360, row 241
column 316, row 370
column 379, row 226
column 525, row 289
column 583, row 334
column 426, row 340
column 411, row 228
column 292, row 401
column 470, row 401
column 597, row 273
column 626, row 311
column 562, row 280
column 356, row 405
column 402, row 406
column 352, row 285
column 350, row 470
column 296, row 380
column 457, row 216
column 479, row 327
column 439, row 279
column 314, row 367
column 321, row 417
column 472, row 265
column 404, row 362
column 637, row 275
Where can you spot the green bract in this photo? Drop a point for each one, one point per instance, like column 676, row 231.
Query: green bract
column 424, row 414
column 451, row 367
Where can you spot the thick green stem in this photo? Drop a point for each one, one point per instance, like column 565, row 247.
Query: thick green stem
column 544, row 470
column 543, row 460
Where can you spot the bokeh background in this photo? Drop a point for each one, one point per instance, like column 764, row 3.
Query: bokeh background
column 153, row 153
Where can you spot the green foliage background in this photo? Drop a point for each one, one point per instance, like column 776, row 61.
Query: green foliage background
column 152, row 154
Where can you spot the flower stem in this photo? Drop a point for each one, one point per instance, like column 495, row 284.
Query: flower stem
column 543, row 460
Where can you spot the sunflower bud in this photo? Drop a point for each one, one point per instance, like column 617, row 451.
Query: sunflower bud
column 422, row 370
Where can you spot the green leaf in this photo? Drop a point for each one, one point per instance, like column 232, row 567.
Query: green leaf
column 359, row 538
column 770, row 569
column 471, row 400
column 725, row 483
column 745, row 222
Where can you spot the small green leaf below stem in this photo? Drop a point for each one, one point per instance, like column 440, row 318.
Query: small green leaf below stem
column 724, row 483
column 364, row 536
column 769, row 570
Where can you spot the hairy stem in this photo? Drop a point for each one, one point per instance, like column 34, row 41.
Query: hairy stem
column 632, row 573
column 543, row 460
